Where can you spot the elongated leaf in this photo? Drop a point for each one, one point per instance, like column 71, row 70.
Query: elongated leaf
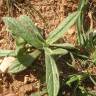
column 22, row 62
column 29, row 24
column 58, row 51
column 64, row 45
column 73, row 79
column 81, row 38
column 63, row 27
column 19, row 41
column 83, row 56
column 82, row 4
column 52, row 76
column 16, row 28
column 4, row 53
column 94, row 81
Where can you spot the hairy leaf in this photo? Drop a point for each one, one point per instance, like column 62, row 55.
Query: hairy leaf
column 17, row 29
column 63, row 27
column 29, row 24
column 57, row 51
column 52, row 75
column 22, row 62
column 7, row 53
column 60, row 51
column 64, row 45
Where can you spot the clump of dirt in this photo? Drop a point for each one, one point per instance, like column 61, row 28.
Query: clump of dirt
column 20, row 84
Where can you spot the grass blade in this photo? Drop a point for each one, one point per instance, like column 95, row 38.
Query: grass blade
column 64, row 45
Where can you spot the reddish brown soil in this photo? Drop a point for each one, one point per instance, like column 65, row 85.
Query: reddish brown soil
column 53, row 12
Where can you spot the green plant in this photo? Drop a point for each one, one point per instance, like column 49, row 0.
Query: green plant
column 81, row 38
column 76, row 81
column 85, row 34
column 86, row 38
column 30, row 44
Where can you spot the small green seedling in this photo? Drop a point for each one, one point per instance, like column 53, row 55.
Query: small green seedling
column 30, row 44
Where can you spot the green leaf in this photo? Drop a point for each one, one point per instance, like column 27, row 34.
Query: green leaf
column 93, row 56
column 18, row 29
column 74, row 78
column 82, row 4
column 52, row 75
column 81, row 37
column 29, row 24
column 22, row 62
column 4, row 53
column 19, row 41
column 64, row 45
column 80, row 55
column 63, row 27
column 57, row 51
column 20, row 44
